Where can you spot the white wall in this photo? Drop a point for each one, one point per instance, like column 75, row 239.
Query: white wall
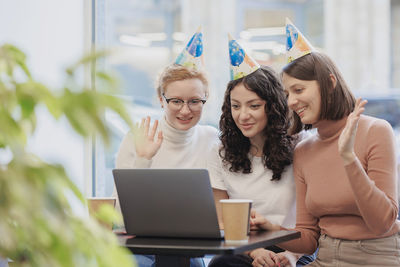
column 52, row 34
column 357, row 37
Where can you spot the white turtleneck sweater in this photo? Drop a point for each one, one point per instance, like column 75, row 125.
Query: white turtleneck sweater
column 179, row 149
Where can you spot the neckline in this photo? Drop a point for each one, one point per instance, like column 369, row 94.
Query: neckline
column 174, row 135
column 329, row 129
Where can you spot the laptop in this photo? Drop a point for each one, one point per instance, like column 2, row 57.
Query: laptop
column 167, row 203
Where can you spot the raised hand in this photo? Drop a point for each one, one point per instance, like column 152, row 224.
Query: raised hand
column 145, row 145
column 348, row 135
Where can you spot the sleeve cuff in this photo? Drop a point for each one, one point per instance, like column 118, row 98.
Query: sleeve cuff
column 142, row 163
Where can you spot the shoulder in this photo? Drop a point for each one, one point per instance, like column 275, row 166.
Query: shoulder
column 372, row 126
column 303, row 135
column 304, row 148
column 306, row 142
column 207, row 130
column 216, row 147
column 372, row 122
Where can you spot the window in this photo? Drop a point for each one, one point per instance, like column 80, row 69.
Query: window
column 146, row 36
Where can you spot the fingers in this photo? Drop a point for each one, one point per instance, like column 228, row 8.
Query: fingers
column 147, row 126
column 153, row 129
column 359, row 107
column 145, row 129
column 254, row 227
column 266, row 261
column 253, row 213
column 283, row 260
column 264, row 257
column 257, row 221
column 255, row 218
column 358, row 110
column 142, row 123
column 354, row 116
column 159, row 138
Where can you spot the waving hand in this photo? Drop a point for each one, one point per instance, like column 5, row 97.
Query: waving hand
column 348, row 135
column 146, row 145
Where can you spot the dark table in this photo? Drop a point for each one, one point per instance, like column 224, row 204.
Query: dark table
column 177, row 252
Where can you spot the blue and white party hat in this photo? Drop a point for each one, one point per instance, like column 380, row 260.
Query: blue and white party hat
column 241, row 63
column 296, row 44
column 192, row 54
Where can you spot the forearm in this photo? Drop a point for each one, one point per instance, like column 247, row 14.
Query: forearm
column 372, row 175
column 377, row 208
column 306, row 244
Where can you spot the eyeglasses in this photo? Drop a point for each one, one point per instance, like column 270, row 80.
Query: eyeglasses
column 177, row 104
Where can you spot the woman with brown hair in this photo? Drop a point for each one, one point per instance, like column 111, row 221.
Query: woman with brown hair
column 346, row 182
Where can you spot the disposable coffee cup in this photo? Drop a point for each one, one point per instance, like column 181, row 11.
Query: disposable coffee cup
column 236, row 219
column 94, row 204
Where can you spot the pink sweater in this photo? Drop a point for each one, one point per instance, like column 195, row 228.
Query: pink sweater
column 357, row 201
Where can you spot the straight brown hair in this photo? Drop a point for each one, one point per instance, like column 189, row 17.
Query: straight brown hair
column 336, row 101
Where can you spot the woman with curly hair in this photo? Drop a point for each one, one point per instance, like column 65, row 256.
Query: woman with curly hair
column 253, row 160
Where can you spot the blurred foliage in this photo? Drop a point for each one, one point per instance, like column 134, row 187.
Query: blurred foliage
column 37, row 225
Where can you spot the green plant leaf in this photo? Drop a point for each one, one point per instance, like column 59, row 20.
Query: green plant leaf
column 38, row 226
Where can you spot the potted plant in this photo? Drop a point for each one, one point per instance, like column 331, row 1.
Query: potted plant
column 37, row 224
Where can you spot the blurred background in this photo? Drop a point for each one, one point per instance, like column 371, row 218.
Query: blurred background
column 361, row 36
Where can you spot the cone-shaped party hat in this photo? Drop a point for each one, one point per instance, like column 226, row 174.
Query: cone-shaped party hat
column 296, row 44
column 192, row 54
column 241, row 63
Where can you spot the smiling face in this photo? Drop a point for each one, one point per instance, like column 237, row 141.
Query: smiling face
column 248, row 112
column 189, row 89
column 304, row 98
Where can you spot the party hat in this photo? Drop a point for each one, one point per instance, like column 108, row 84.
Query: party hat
column 296, row 44
column 241, row 63
column 192, row 54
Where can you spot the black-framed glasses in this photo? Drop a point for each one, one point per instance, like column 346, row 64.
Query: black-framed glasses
column 177, row 103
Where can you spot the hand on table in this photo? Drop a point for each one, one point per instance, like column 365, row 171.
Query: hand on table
column 145, row 145
column 348, row 135
column 257, row 221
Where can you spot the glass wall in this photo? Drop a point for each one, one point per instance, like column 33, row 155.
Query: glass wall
column 52, row 35
column 146, row 36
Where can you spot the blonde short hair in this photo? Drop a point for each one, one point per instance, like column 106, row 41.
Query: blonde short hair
column 177, row 72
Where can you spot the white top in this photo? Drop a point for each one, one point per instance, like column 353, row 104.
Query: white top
column 179, row 149
column 275, row 200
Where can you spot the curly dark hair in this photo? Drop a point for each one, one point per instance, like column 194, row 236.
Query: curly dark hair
column 278, row 148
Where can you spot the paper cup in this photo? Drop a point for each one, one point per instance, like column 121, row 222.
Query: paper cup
column 236, row 219
column 94, row 203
